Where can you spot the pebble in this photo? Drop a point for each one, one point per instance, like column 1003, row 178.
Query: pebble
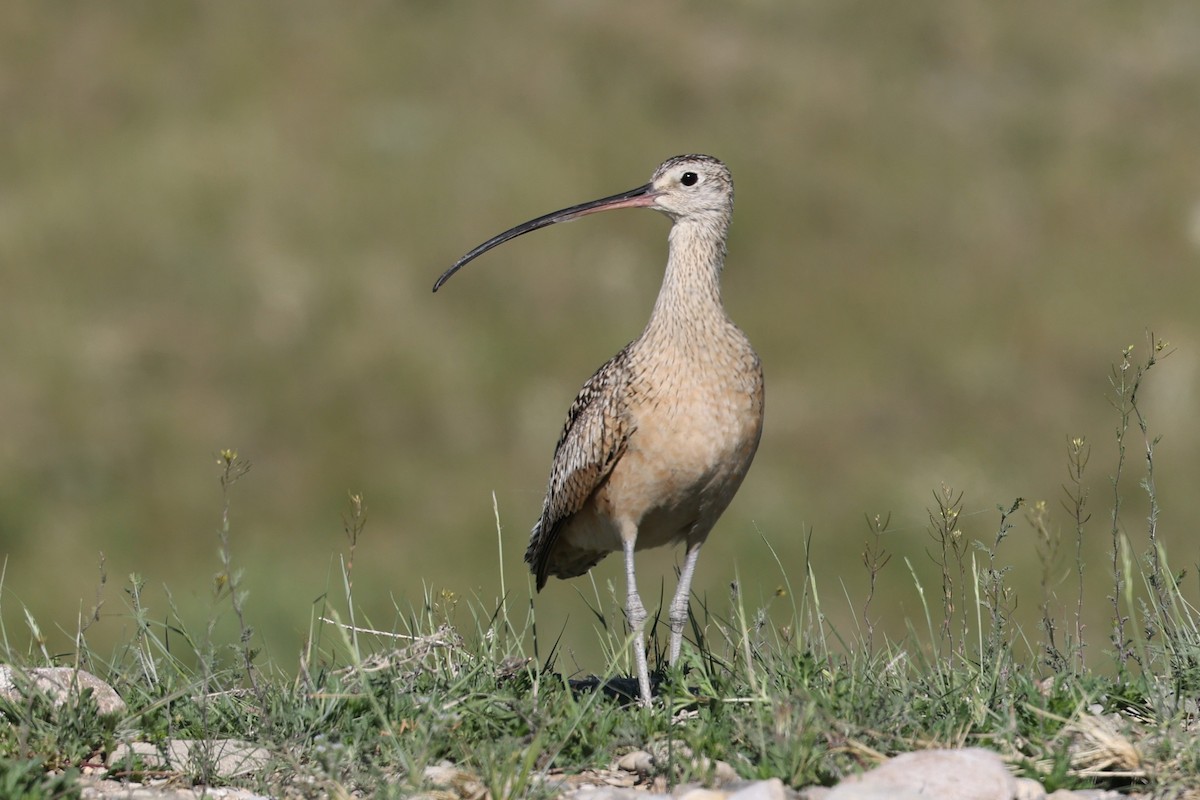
column 971, row 773
column 227, row 758
column 59, row 683
column 125, row 790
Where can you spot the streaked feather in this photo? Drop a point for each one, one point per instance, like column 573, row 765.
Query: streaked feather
column 593, row 439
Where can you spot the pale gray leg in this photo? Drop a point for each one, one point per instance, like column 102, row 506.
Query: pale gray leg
column 679, row 605
column 635, row 612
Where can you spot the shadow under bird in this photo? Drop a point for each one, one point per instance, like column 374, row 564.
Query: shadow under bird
column 659, row 439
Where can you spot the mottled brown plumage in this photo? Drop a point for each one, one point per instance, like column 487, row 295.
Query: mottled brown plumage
column 593, row 439
column 658, row 441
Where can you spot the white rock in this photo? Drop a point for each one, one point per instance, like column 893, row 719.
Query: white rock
column 613, row 793
column 463, row 783
column 881, row 792
column 967, row 774
column 59, row 683
column 128, row 790
column 761, row 790
column 815, row 793
column 638, row 761
column 1029, row 789
column 227, row 758
column 722, row 772
column 700, row 793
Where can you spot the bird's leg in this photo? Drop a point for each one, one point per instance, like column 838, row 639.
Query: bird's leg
column 679, row 604
column 635, row 612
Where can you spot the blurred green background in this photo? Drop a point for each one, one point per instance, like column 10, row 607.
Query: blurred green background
column 220, row 223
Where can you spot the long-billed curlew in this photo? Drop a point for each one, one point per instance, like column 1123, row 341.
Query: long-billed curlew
column 659, row 439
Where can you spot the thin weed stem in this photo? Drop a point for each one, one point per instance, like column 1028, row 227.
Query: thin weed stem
column 874, row 558
column 944, row 530
column 229, row 581
column 1078, row 453
column 1127, row 380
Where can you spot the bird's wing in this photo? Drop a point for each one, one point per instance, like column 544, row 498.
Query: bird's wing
column 592, row 441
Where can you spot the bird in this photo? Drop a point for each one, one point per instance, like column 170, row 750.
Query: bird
column 659, row 439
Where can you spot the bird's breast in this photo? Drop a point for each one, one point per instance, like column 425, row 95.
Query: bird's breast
column 696, row 424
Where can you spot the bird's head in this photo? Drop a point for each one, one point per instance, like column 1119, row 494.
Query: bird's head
column 692, row 186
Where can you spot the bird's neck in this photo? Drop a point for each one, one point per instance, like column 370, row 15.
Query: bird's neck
column 690, row 296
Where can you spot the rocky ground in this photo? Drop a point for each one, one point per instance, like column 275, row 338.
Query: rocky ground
column 162, row 771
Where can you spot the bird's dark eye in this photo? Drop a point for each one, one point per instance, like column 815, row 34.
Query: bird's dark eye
column 689, row 179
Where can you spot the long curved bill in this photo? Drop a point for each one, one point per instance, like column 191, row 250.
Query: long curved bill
column 640, row 197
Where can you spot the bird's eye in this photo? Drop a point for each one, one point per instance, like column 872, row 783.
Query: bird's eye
column 689, row 178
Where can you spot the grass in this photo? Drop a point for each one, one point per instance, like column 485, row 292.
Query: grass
column 770, row 686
